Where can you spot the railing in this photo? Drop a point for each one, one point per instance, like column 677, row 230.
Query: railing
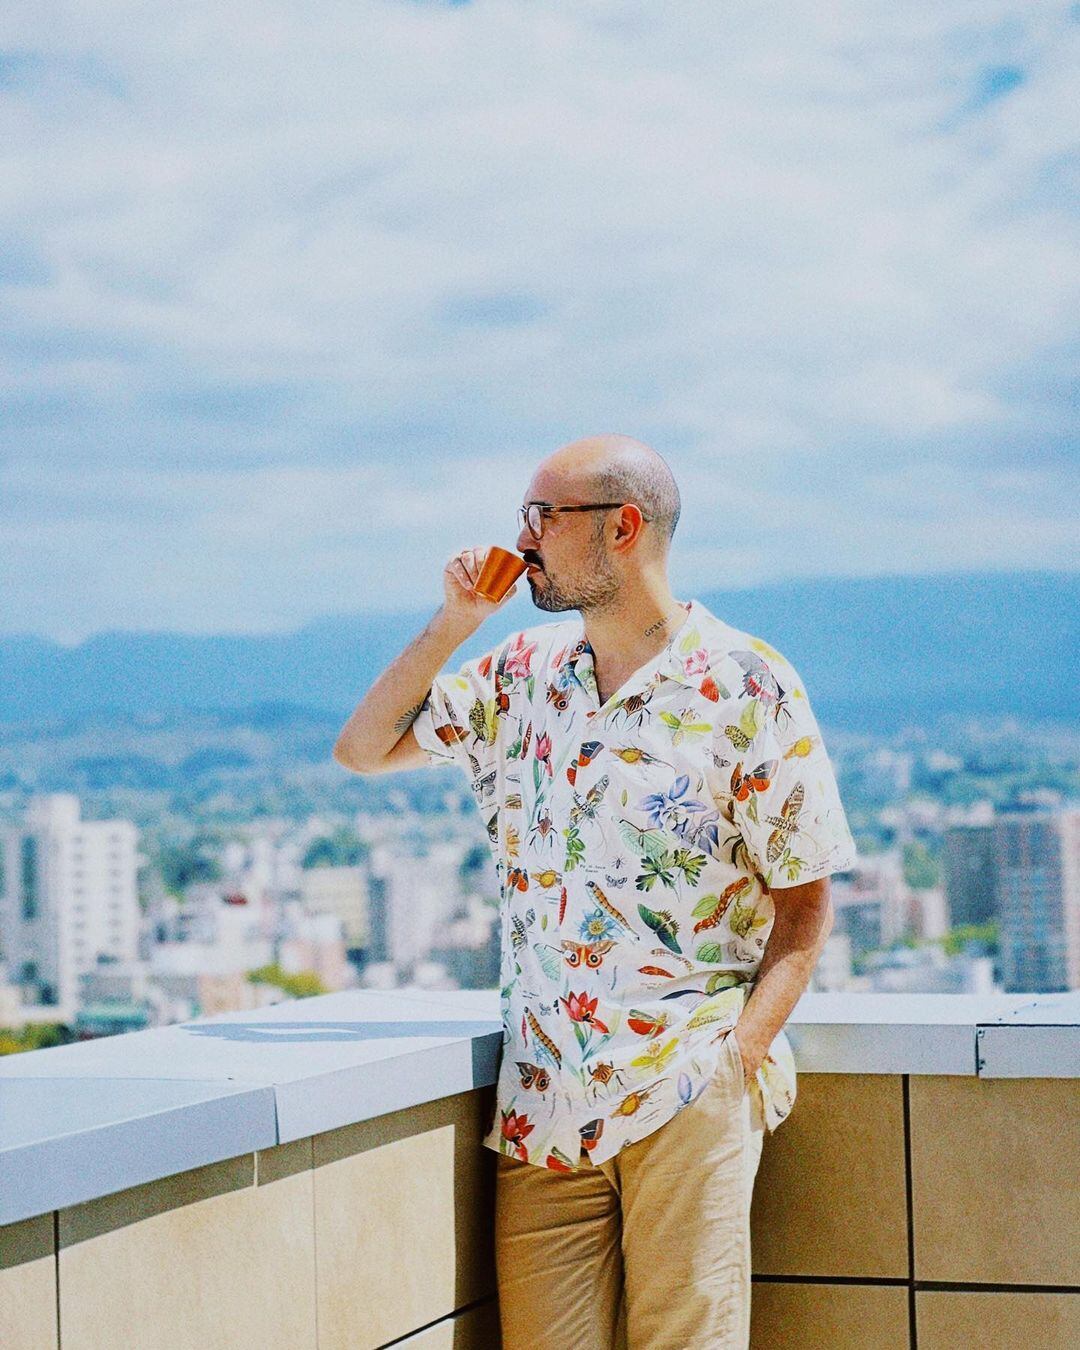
column 311, row 1175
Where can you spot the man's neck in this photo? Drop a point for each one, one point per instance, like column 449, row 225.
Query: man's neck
column 630, row 632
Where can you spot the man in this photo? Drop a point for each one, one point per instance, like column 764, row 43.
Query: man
column 664, row 820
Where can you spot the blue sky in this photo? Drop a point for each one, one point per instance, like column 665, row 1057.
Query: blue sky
column 291, row 292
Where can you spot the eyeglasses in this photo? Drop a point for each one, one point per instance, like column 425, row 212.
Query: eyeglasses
column 533, row 514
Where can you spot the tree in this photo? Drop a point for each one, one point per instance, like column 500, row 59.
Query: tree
column 920, row 869
column 194, row 860
column 343, row 848
column 304, row 984
column 34, row 1036
column 973, row 936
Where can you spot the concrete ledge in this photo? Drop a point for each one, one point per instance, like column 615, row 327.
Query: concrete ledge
column 991, row 1036
column 64, row 1140
column 85, row 1120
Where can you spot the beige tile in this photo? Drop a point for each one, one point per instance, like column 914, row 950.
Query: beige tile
column 28, row 1283
column 203, row 1260
column 477, row 1329
column 996, row 1198
column 997, row 1321
column 793, row 1316
column 830, row 1193
column 403, row 1221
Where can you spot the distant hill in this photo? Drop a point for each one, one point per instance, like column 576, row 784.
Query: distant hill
column 874, row 652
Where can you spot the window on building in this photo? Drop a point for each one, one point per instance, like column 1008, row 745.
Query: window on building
column 29, row 862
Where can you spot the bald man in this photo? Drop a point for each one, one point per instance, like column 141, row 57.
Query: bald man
column 663, row 820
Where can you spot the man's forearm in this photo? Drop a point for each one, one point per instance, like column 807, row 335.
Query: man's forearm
column 390, row 706
column 802, row 921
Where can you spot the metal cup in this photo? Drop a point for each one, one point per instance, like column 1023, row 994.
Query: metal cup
column 500, row 570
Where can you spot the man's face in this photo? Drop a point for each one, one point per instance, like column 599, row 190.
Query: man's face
column 575, row 571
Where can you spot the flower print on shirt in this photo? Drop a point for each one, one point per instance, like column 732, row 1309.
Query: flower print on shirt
column 519, row 657
column 638, row 842
column 697, row 663
column 515, row 1130
column 543, row 753
column 672, row 808
column 596, row 926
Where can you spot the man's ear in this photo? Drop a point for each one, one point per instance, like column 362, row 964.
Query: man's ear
column 630, row 522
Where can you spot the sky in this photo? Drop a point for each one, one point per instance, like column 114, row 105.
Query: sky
column 293, row 297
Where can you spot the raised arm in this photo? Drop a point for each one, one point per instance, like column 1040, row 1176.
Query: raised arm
column 378, row 736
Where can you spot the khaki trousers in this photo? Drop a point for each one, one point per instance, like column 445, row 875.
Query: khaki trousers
column 648, row 1250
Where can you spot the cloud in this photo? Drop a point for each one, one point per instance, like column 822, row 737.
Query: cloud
column 996, row 82
column 497, row 310
column 254, row 242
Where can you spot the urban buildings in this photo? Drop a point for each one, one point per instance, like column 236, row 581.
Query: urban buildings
column 68, row 899
column 96, row 934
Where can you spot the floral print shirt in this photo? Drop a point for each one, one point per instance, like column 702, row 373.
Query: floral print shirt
column 637, row 845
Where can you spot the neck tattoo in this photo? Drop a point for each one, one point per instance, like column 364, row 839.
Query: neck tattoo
column 663, row 623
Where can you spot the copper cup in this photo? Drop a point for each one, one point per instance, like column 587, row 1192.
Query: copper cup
column 500, row 570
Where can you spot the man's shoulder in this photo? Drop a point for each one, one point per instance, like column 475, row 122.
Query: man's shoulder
column 725, row 641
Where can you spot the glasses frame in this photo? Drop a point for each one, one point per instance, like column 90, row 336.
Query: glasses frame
column 544, row 509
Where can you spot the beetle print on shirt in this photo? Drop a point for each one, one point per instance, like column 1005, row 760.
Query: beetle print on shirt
column 637, row 845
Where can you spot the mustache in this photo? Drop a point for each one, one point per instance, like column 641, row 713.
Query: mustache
column 530, row 558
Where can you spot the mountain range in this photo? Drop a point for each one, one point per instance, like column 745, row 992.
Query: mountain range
column 873, row 652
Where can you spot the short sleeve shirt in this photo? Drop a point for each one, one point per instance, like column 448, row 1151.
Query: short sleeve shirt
column 638, row 844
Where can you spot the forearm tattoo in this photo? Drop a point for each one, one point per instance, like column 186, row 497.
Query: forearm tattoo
column 407, row 718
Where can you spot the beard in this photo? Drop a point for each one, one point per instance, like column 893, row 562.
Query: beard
column 595, row 590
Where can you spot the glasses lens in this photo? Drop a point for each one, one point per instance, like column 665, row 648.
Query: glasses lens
column 535, row 520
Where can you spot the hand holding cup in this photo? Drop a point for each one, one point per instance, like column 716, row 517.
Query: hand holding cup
column 477, row 581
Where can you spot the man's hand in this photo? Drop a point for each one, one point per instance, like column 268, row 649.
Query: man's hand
column 752, row 1058
column 463, row 605
column 378, row 736
column 801, row 923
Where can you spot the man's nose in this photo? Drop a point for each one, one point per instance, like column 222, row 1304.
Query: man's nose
column 525, row 542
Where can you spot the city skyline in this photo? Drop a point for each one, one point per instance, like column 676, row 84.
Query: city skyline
column 95, row 912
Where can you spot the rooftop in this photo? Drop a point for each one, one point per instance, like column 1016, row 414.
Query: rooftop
column 290, row 1163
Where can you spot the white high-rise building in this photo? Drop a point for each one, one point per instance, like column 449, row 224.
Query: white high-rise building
column 68, row 896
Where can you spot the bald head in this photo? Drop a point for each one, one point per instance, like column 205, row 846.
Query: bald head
column 616, row 468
